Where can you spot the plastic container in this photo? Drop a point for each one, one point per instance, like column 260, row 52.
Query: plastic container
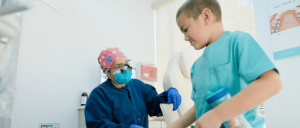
column 218, row 97
column 84, row 97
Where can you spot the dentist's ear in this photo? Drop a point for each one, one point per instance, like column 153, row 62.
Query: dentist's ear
column 108, row 74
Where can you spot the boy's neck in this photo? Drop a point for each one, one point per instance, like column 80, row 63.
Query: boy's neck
column 217, row 32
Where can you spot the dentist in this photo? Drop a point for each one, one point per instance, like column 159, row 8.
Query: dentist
column 122, row 102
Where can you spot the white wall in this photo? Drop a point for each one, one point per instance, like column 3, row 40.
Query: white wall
column 154, row 1
column 281, row 111
column 238, row 15
column 169, row 39
column 58, row 54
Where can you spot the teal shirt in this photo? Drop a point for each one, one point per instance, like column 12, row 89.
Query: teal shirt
column 233, row 61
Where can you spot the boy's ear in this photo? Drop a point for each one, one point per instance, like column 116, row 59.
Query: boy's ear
column 207, row 15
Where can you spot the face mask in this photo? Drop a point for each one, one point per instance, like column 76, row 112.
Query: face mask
column 122, row 77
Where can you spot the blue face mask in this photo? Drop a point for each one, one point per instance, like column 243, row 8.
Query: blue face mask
column 122, row 77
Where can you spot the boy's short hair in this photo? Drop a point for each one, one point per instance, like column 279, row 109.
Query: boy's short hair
column 193, row 8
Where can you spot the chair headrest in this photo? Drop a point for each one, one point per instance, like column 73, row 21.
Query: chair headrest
column 173, row 63
column 187, row 59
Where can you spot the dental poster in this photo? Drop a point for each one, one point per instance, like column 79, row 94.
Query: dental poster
column 284, row 18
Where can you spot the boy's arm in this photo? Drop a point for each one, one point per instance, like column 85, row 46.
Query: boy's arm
column 186, row 120
column 266, row 86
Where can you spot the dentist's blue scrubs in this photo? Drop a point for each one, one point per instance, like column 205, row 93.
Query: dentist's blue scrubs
column 111, row 107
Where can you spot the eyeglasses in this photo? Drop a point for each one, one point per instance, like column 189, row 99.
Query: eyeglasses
column 121, row 67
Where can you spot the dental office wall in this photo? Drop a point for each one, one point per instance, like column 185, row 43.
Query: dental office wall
column 281, row 111
column 59, row 50
column 169, row 39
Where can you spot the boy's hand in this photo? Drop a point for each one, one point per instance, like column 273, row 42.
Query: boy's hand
column 212, row 120
column 233, row 122
column 209, row 120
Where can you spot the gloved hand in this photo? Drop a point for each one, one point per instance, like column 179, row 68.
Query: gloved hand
column 174, row 97
column 135, row 126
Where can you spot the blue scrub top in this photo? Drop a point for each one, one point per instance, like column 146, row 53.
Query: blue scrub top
column 111, row 107
column 233, row 61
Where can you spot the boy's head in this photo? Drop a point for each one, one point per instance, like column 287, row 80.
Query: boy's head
column 197, row 19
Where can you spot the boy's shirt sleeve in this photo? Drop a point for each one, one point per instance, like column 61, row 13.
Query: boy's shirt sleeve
column 252, row 60
column 193, row 89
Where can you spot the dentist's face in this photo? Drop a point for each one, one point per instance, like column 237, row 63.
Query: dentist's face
column 114, row 67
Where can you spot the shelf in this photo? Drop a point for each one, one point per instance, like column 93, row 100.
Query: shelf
column 156, row 119
column 81, row 107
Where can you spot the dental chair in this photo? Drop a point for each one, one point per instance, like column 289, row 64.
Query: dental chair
column 178, row 76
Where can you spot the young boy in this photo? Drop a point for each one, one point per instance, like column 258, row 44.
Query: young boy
column 231, row 59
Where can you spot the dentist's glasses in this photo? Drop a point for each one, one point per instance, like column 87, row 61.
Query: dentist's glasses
column 122, row 67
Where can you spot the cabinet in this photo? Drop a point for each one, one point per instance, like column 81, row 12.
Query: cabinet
column 81, row 119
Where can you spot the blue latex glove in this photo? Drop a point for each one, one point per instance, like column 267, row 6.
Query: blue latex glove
column 135, row 126
column 174, row 97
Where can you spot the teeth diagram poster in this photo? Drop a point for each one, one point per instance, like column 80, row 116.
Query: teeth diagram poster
column 284, row 18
